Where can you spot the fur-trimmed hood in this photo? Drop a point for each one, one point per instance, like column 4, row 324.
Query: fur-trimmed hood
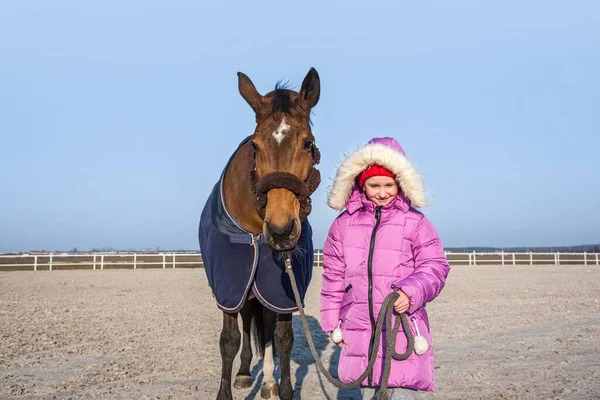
column 387, row 152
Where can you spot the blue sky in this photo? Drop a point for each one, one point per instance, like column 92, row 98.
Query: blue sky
column 116, row 118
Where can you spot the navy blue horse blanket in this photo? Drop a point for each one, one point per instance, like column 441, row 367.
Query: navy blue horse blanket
column 237, row 261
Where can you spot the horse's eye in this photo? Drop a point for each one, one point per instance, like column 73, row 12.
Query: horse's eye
column 308, row 144
column 254, row 146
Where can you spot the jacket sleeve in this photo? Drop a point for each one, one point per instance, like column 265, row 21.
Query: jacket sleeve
column 332, row 289
column 431, row 267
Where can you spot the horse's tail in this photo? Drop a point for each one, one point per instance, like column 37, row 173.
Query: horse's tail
column 257, row 327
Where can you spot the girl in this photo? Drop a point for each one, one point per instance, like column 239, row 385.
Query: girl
column 378, row 244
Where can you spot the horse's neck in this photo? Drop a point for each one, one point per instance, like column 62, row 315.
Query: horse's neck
column 239, row 197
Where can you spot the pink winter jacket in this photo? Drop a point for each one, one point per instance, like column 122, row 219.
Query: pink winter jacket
column 406, row 255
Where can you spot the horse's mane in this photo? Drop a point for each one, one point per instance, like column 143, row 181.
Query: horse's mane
column 281, row 102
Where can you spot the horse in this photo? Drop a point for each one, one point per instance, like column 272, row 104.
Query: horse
column 258, row 212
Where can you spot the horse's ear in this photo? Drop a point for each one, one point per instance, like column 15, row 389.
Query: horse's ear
column 249, row 92
column 311, row 90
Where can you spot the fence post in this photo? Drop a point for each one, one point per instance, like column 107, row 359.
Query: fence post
column 557, row 258
column 470, row 259
column 514, row 262
column 596, row 258
column 585, row 258
column 134, row 260
column 35, row 263
column 51, row 262
column 94, row 261
column 502, row 257
column 102, row 261
column 474, row 258
column 173, row 260
column 531, row 258
column 164, row 261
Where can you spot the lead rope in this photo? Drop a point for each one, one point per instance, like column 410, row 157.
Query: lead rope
column 385, row 315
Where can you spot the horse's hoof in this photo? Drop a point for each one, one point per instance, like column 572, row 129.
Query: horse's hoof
column 242, row 381
column 224, row 394
column 286, row 392
column 268, row 391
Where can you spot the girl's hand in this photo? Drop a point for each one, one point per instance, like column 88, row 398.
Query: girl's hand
column 402, row 303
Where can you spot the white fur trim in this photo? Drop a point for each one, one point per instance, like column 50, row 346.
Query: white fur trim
column 407, row 176
column 337, row 334
column 421, row 345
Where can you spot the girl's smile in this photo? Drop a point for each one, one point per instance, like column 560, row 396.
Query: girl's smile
column 381, row 190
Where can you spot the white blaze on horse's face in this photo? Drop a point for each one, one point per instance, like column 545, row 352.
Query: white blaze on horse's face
column 281, row 131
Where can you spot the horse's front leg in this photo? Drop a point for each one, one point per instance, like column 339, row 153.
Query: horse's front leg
column 243, row 378
column 229, row 345
column 268, row 389
column 284, row 341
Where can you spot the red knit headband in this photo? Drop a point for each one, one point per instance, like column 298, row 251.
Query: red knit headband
column 373, row 170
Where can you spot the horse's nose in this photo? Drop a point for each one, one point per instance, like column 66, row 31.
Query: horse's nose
column 281, row 232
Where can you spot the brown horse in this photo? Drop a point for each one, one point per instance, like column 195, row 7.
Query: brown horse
column 266, row 188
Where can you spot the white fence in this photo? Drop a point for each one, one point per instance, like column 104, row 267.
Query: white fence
column 93, row 261
column 530, row 258
column 503, row 258
column 54, row 261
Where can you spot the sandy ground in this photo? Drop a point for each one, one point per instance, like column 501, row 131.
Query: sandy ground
column 499, row 333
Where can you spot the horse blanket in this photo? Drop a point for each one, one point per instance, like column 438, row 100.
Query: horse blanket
column 236, row 261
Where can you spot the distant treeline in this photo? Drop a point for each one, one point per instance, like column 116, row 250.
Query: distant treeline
column 589, row 248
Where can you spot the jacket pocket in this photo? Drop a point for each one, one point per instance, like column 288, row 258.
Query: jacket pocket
column 347, row 301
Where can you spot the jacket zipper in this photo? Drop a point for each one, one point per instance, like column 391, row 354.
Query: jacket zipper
column 370, row 276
